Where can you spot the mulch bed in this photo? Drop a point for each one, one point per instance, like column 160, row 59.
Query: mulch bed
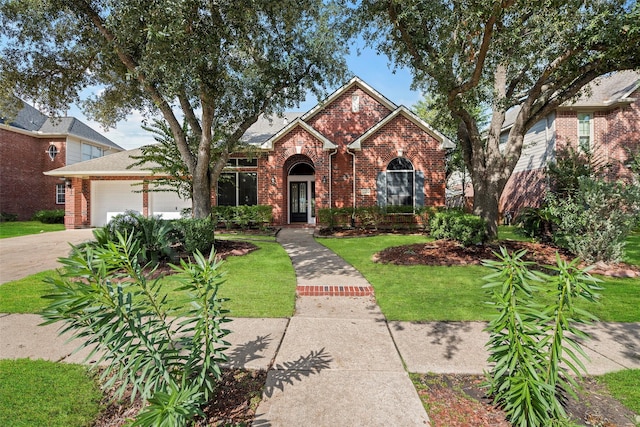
column 449, row 253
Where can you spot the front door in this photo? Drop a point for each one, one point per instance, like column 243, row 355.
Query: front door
column 298, row 202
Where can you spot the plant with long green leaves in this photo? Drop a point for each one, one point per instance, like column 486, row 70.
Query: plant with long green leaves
column 529, row 349
column 106, row 300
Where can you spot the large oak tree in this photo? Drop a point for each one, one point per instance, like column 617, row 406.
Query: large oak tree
column 217, row 64
column 503, row 53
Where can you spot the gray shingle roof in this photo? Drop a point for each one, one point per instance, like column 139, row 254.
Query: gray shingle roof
column 30, row 119
column 265, row 127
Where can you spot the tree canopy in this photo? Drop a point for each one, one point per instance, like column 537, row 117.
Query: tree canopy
column 218, row 65
column 533, row 55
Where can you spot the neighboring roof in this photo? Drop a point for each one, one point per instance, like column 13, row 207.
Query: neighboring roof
column 404, row 111
column 110, row 165
column 604, row 92
column 608, row 90
column 266, row 127
column 31, row 120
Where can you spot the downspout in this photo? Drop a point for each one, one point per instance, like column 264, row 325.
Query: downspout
column 330, row 175
column 353, row 217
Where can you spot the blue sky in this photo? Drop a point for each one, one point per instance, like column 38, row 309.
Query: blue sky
column 374, row 69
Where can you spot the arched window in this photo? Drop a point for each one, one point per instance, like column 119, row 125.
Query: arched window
column 400, row 182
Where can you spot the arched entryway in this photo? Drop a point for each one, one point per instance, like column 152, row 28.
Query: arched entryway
column 302, row 192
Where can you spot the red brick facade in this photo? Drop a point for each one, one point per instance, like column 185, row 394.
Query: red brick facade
column 321, row 140
column 24, row 189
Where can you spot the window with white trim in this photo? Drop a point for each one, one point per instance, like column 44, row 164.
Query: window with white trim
column 400, row 182
column 585, row 131
column 60, row 191
column 238, row 188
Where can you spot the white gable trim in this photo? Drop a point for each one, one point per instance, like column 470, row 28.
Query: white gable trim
column 326, row 144
column 404, row 111
column 355, row 81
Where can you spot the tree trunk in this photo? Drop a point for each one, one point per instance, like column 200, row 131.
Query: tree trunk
column 486, row 199
column 201, row 200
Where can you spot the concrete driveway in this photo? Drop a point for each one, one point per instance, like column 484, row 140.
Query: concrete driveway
column 26, row 255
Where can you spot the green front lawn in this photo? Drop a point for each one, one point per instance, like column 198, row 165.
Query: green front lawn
column 260, row 284
column 41, row 393
column 425, row 293
column 624, row 386
column 22, row 228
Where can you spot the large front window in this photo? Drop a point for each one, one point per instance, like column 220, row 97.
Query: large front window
column 238, row 188
column 400, row 179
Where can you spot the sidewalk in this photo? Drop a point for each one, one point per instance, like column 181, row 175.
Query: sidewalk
column 337, row 361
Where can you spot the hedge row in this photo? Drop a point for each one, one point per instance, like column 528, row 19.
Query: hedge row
column 376, row 217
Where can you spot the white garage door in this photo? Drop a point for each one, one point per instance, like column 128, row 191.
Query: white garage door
column 167, row 204
column 109, row 198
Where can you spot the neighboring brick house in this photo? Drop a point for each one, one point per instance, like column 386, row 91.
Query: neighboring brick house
column 355, row 149
column 34, row 143
column 606, row 119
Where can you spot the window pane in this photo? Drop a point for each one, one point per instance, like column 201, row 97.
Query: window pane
column 248, row 162
column 400, row 164
column 60, row 194
column 399, row 188
column 247, row 188
column 227, row 189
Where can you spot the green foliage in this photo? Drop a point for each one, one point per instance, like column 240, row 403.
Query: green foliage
column 493, row 56
column 569, row 167
column 195, row 234
column 594, row 221
column 455, row 224
column 43, row 393
column 8, row 217
column 105, row 298
column 220, row 65
column 55, row 216
column 157, row 237
column 536, row 223
column 243, row 216
column 531, row 354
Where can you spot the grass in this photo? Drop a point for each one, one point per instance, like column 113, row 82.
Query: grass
column 426, row 293
column 22, row 228
column 624, row 386
column 260, row 284
column 41, row 393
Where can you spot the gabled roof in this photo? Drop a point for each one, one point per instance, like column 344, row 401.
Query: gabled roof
column 31, row 120
column 404, row 111
column 110, row 165
column 355, row 81
column 326, row 143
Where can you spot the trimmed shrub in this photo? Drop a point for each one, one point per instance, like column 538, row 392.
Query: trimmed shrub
column 536, row 223
column 242, row 216
column 195, row 234
column 454, row 224
column 55, row 216
column 8, row 217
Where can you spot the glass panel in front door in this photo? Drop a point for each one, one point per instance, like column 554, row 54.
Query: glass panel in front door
column 298, row 203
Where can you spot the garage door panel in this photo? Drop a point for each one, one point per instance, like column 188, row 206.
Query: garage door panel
column 109, row 198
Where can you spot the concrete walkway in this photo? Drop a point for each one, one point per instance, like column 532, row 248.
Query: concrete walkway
column 337, row 364
column 337, row 361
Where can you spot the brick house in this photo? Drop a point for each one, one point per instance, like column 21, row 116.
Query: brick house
column 354, row 149
column 34, row 143
column 605, row 119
